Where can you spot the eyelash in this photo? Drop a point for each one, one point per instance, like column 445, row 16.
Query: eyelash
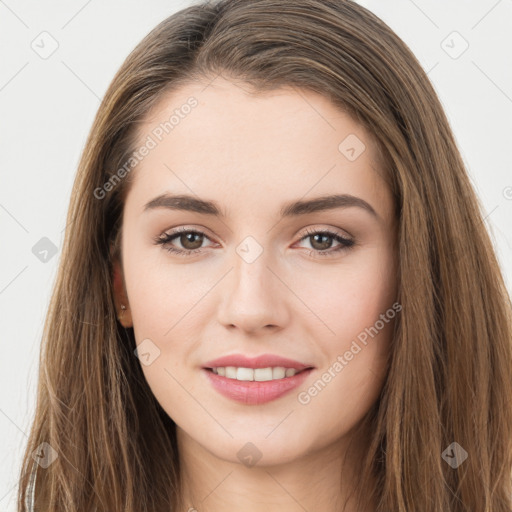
column 166, row 238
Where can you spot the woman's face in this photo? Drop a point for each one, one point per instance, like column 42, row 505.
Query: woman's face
column 268, row 266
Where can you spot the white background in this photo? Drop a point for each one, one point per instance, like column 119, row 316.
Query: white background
column 47, row 107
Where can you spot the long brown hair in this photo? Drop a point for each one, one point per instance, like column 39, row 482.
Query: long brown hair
column 450, row 372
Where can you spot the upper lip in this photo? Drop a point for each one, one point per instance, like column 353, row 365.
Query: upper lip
column 262, row 361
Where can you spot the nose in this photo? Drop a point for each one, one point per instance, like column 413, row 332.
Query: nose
column 254, row 297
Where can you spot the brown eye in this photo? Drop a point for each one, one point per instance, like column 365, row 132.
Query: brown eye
column 321, row 241
column 182, row 241
column 191, row 240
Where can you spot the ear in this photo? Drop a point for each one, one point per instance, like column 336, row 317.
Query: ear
column 120, row 297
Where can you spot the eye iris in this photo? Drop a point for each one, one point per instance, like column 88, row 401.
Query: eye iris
column 188, row 237
column 323, row 245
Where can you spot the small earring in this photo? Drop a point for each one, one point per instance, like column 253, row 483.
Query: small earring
column 123, row 308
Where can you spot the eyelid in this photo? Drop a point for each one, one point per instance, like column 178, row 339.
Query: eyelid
column 186, row 229
column 174, row 232
column 315, row 228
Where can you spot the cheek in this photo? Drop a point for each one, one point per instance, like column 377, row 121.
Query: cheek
column 355, row 307
column 355, row 361
column 161, row 294
column 167, row 313
column 163, row 313
column 350, row 298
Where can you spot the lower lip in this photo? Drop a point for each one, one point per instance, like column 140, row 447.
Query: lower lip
column 253, row 392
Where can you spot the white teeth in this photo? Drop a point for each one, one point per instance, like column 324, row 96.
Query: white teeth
column 263, row 374
column 244, row 374
column 279, row 372
column 256, row 374
column 230, row 372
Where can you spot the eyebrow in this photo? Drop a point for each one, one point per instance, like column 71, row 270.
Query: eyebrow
column 190, row 203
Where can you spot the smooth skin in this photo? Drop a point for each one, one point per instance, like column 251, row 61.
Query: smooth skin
column 251, row 155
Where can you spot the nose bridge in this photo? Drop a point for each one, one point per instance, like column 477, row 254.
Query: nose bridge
column 252, row 294
column 251, row 274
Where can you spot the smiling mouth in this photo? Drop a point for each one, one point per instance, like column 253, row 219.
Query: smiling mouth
column 255, row 386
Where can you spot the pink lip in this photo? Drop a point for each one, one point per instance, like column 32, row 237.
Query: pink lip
column 252, row 392
column 263, row 361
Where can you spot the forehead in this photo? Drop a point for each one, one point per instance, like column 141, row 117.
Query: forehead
column 220, row 141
